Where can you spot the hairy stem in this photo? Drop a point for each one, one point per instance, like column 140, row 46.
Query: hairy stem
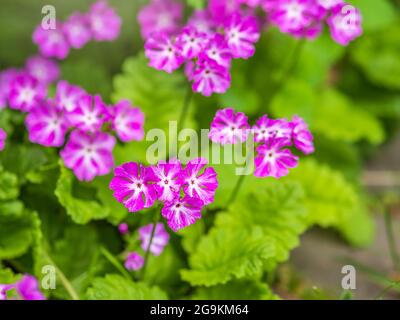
column 153, row 231
column 390, row 239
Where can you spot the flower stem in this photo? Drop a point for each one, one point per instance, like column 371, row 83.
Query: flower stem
column 236, row 190
column 185, row 108
column 109, row 256
column 153, row 231
column 390, row 239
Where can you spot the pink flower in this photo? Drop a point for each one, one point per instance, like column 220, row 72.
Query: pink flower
column 104, row 22
column 202, row 21
column 123, row 228
column 3, row 290
column 133, row 185
column 267, row 129
column 217, row 49
column 199, row 183
column 302, row 137
column 52, row 43
column 160, row 239
column 44, row 70
column 191, row 42
column 3, row 137
column 181, row 213
column 209, row 77
column 229, row 127
column 134, row 261
column 6, row 78
column 90, row 113
column 168, row 185
column 89, row 155
column 345, row 24
column 68, row 96
column 127, row 121
column 222, row 9
column 77, row 30
column 160, row 16
column 28, row 288
column 26, row 92
column 273, row 160
column 241, row 34
column 162, row 53
column 47, row 125
column 329, row 4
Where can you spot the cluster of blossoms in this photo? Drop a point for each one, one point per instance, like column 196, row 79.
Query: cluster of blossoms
column 134, row 261
column 229, row 29
column 25, row 289
column 101, row 23
column 183, row 190
column 273, row 138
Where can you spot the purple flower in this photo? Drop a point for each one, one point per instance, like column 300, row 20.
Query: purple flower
column 329, row 4
column 168, row 175
column 90, row 113
column 123, row 228
column 3, row 137
column 28, row 288
column 77, row 30
column 89, row 155
column 202, row 21
column 191, row 42
column 267, row 129
column 104, row 22
column 6, row 78
column 163, row 53
column 181, row 213
column 160, row 16
column 209, row 77
column 44, row 70
column 222, row 9
column 217, row 49
column 302, row 137
column 127, row 121
column 52, row 43
column 26, row 92
column 133, row 185
column 241, row 33
column 229, row 127
column 134, row 261
column 3, row 290
column 46, row 124
column 198, row 183
column 273, row 160
column 345, row 24
column 68, row 96
column 160, row 239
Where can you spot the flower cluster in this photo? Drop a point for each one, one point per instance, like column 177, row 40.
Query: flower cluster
column 25, row 289
column 273, row 138
column 101, row 23
column 183, row 190
column 206, row 44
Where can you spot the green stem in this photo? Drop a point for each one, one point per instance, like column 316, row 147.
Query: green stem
column 153, row 231
column 236, row 190
column 185, row 108
column 390, row 239
column 110, row 257
column 387, row 289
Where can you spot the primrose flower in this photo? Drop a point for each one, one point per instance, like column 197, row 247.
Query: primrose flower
column 160, row 239
column 345, row 24
column 47, row 125
column 127, row 121
column 181, row 213
column 25, row 93
column 191, row 42
column 90, row 113
column 168, row 175
column 6, row 78
column 104, row 22
column 52, row 43
column 163, row 53
column 3, row 291
column 274, row 160
column 217, row 50
column 77, row 30
column 267, row 129
column 302, row 137
column 89, row 155
column 68, row 96
column 123, row 228
column 202, row 21
column 329, row 4
column 134, row 261
column 3, row 137
column 44, row 70
column 28, row 288
column 133, row 185
column 160, row 16
column 198, row 183
column 209, row 77
column 229, row 127
column 222, row 9
column 241, row 34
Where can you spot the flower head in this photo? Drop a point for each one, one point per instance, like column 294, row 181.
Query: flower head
column 6, row 78
column 217, row 50
column 168, row 185
column 47, row 125
column 134, row 261
column 302, row 137
column 77, row 30
column 133, row 185
column 28, row 288
column 3, row 137
column 68, row 96
column 229, row 127
column 127, row 121
column 44, row 70
column 191, row 42
column 222, row 9
column 123, row 228
column 160, row 238
column 267, row 129
column 329, row 4
column 52, row 43
column 202, row 21
column 89, row 155
column 104, row 22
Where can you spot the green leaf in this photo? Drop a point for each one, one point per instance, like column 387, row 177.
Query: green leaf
column 115, row 287
column 9, row 188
